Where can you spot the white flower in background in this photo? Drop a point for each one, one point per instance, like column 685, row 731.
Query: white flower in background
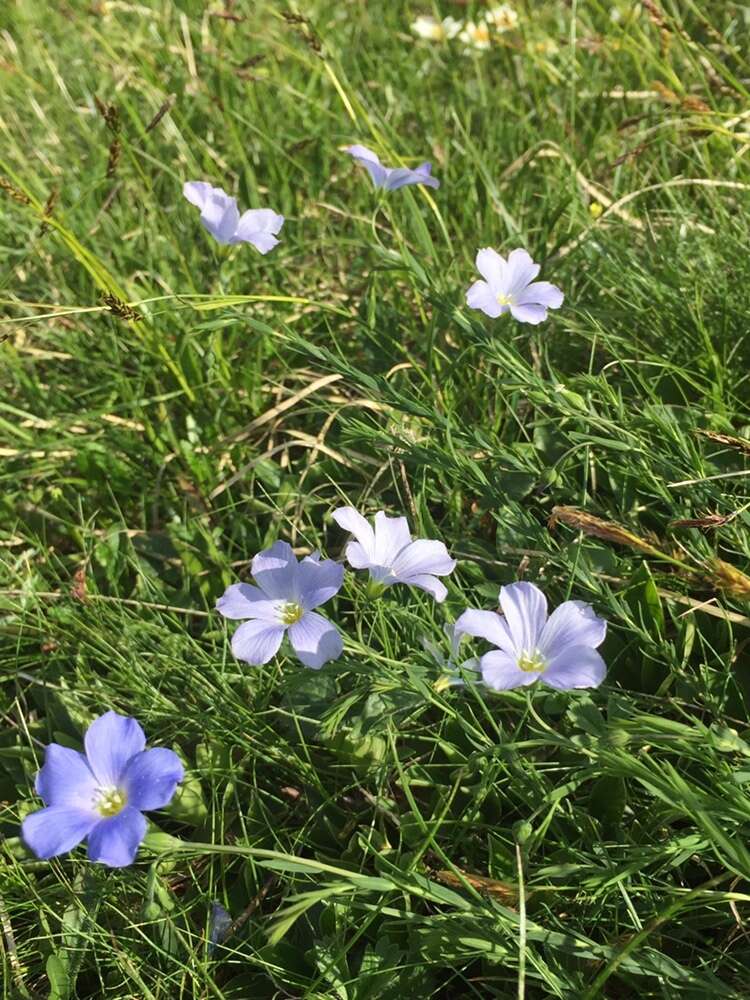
column 476, row 36
column 451, row 27
column 428, row 27
column 502, row 18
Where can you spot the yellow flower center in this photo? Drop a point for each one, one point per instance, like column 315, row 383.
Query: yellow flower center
column 111, row 801
column 291, row 613
column 532, row 662
column 503, row 299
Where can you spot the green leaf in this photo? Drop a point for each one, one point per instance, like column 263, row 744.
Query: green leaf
column 56, row 968
column 608, row 800
column 643, row 597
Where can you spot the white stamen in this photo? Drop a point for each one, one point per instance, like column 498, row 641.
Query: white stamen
column 291, row 613
column 110, row 801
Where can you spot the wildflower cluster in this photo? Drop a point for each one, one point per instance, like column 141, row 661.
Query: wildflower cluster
column 101, row 795
column 560, row 649
column 508, row 285
column 473, row 34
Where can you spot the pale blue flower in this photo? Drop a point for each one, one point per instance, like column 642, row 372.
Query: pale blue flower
column 102, row 793
column 559, row 650
column 391, row 178
column 391, row 556
column 221, row 217
column 283, row 603
column 509, row 285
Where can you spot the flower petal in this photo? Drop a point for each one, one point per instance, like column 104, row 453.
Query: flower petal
column 429, row 583
column 263, row 242
column 242, row 600
column 351, row 520
column 318, row 581
column 501, row 672
column 480, row 296
column 391, row 536
column 114, row 841
column 257, row 642
column 357, row 557
column 57, row 829
column 399, row 177
column 487, row 625
column 427, row 26
column 521, row 271
column 259, row 226
column 533, row 314
column 575, row 667
column 275, row 572
column 542, row 293
column 573, row 623
column 66, row 778
column 362, row 153
column 425, row 555
column 525, row 610
column 315, row 640
column 197, row 192
column 259, row 220
column 492, row 266
column 110, row 741
column 424, row 170
column 220, row 215
column 151, row 777
column 371, row 162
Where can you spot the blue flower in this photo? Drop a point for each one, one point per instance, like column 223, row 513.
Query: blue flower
column 557, row 649
column 391, row 178
column 388, row 552
column 221, row 218
column 283, row 603
column 101, row 794
column 509, row 286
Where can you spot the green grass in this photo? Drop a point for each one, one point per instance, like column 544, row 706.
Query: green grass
column 373, row 833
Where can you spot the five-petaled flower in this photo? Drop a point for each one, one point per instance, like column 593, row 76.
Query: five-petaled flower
column 391, row 178
column 428, row 27
column 502, row 18
column 283, row 603
column 221, row 217
column 390, row 554
column 476, row 36
column 102, row 793
column 559, row 649
column 510, row 285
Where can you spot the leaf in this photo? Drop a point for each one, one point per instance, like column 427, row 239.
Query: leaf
column 285, row 919
column 644, row 601
column 608, row 800
column 57, row 973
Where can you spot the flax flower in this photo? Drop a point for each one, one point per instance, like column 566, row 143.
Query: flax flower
column 557, row 649
column 221, row 218
column 509, row 286
column 283, row 604
column 388, row 552
column 102, row 793
column 391, row 178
